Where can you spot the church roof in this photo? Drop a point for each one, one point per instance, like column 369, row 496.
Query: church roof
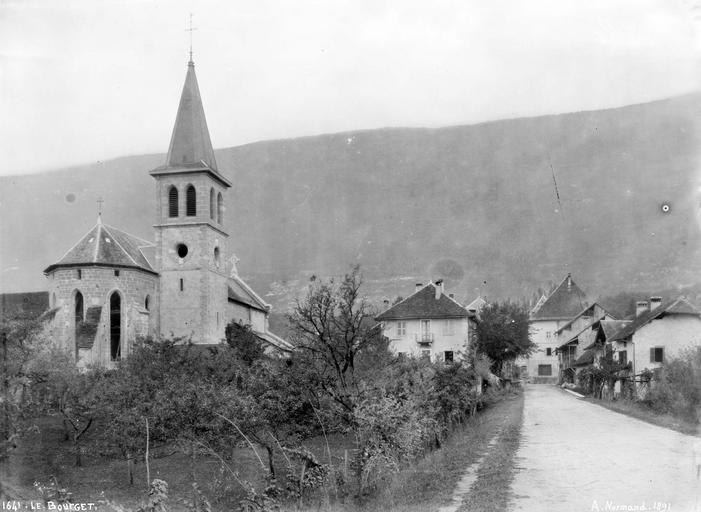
column 240, row 292
column 106, row 246
column 190, row 147
column 424, row 304
column 565, row 302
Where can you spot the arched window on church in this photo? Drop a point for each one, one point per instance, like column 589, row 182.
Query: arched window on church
column 217, row 257
column 191, row 201
column 173, row 202
column 78, row 317
column 220, row 208
column 147, row 303
column 115, row 326
column 212, row 203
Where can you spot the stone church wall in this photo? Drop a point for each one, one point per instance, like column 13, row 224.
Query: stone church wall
column 96, row 284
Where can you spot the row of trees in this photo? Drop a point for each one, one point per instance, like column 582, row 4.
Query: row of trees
column 172, row 396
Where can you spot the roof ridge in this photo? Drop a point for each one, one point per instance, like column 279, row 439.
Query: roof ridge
column 97, row 242
column 417, row 290
column 146, row 242
column 122, row 247
column 245, row 286
column 77, row 243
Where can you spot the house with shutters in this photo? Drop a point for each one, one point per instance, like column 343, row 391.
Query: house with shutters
column 659, row 331
column 111, row 287
column 429, row 323
column 551, row 313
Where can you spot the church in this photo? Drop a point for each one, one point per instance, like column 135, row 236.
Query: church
column 111, row 287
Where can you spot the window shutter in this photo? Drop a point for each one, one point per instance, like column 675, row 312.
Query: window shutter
column 652, row 355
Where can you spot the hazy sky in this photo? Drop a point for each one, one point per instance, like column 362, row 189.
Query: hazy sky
column 89, row 80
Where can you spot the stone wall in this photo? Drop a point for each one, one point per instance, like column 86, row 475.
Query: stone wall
column 96, row 284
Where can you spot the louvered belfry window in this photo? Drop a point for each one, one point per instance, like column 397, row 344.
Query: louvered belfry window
column 191, row 202
column 173, row 202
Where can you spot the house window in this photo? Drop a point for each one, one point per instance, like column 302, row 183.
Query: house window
column 448, row 356
column 548, row 351
column 548, row 334
column 116, row 273
column 545, row 370
column 657, row 355
column 80, row 274
column 401, row 329
column 190, row 201
column 173, row 202
column 182, row 284
column 623, row 357
column 448, row 328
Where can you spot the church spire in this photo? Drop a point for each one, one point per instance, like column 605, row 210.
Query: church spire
column 190, row 143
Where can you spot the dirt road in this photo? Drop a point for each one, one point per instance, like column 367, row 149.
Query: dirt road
column 576, row 456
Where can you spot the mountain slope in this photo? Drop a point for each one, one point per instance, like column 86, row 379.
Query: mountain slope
column 476, row 204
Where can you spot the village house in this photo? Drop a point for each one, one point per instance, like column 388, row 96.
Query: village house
column 551, row 313
column 659, row 331
column 429, row 324
column 111, row 287
column 576, row 334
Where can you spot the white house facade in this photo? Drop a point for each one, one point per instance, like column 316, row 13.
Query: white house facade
column 429, row 324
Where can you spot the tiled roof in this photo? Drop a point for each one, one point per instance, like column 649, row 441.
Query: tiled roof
column 590, row 308
column 23, row 306
column 106, row 246
column 610, row 327
column 476, row 304
column 563, row 303
column 240, row 292
column 678, row 306
column 423, row 304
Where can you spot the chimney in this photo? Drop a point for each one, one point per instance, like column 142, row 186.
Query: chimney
column 655, row 302
column 642, row 306
column 418, row 287
column 439, row 288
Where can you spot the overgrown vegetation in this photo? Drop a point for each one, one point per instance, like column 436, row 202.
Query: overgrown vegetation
column 669, row 395
column 170, row 397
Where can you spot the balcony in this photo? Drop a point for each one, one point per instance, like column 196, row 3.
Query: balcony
column 424, row 338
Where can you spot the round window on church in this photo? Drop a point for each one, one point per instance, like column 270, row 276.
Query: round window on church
column 182, row 250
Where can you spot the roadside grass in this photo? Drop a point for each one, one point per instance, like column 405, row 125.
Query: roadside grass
column 491, row 491
column 642, row 412
column 428, row 484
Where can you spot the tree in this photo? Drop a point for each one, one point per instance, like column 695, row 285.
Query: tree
column 503, row 333
column 245, row 344
column 334, row 328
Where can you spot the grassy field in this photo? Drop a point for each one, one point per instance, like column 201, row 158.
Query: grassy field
column 426, row 484
column 644, row 413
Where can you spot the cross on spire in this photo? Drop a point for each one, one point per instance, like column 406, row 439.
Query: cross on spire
column 191, row 30
column 99, row 208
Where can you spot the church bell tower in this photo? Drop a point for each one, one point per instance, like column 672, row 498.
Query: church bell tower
column 191, row 238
